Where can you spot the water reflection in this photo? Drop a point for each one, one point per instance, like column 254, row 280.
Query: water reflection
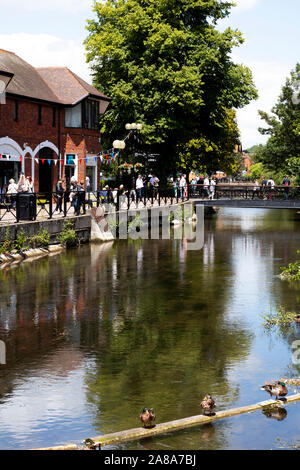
column 116, row 327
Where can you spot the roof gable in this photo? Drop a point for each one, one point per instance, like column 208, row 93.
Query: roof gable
column 26, row 80
column 69, row 88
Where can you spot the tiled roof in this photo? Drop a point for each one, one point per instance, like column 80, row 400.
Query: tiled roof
column 26, row 81
column 53, row 84
column 69, row 88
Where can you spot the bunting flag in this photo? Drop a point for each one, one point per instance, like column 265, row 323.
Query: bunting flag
column 107, row 157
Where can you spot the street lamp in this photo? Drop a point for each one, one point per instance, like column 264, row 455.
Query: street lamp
column 5, row 78
column 133, row 127
column 118, row 145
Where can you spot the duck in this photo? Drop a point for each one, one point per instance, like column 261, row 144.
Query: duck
column 277, row 388
column 147, row 416
column 207, row 405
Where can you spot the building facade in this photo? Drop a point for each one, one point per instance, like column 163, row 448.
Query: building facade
column 49, row 125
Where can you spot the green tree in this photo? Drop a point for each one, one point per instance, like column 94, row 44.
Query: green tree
column 165, row 64
column 282, row 151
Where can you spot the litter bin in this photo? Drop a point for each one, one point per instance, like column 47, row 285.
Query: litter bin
column 26, row 207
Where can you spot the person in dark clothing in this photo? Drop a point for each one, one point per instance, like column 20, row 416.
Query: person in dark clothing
column 264, row 187
column 59, row 191
column 286, row 183
column 80, row 197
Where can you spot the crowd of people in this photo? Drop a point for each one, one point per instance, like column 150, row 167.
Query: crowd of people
column 78, row 192
column 9, row 192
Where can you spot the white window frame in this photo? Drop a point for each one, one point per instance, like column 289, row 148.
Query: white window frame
column 75, row 165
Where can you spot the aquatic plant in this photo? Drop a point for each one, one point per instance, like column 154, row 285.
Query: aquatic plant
column 68, row 235
column 280, row 318
column 292, row 271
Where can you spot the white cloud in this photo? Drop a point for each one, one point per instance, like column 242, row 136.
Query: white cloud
column 269, row 78
column 45, row 50
column 245, row 4
column 71, row 6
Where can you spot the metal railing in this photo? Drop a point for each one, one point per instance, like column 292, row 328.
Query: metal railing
column 245, row 191
column 33, row 206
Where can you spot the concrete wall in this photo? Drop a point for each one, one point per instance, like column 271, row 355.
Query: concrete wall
column 54, row 227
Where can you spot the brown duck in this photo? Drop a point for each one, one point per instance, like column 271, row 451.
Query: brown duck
column 207, row 405
column 147, row 417
column 277, row 388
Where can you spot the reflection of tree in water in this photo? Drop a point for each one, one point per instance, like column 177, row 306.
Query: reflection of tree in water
column 149, row 312
column 166, row 341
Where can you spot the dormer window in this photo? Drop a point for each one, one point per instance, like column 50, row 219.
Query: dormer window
column 73, row 116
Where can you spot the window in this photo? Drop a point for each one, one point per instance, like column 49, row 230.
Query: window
column 39, row 114
column 53, row 117
column 16, row 111
column 91, row 114
column 73, row 116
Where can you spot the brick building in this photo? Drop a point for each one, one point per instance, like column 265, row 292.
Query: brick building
column 48, row 125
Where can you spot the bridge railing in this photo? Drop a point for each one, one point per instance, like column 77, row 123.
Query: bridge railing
column 33, row 206
column 244, row 191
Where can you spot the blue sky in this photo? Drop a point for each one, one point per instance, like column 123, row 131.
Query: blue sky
column 50, row 33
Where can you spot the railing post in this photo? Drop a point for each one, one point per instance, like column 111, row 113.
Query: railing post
column 50, row 206
column 35, row 205
column 65, row 205
column 84, row 203
column 18, row 207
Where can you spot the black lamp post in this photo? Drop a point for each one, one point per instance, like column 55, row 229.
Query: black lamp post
column 133, row 127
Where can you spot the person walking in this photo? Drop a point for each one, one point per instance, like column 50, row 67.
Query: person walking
column 256, row 189
column 154, row 181
column 264, row 186
column 271, row 185
column 59, row 192
column 212, row 189
column 139, row 188
column 206, row 186
column 286, row 183
column 182, row 186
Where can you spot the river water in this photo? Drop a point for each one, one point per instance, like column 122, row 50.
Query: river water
column 94, row 335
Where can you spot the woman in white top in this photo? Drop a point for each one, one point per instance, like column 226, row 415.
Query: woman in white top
column 212, row 189
column 12, row 191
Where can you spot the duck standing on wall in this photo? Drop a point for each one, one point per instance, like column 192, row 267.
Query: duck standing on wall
column 147, row 417
column 277, row 388
column 207, row 405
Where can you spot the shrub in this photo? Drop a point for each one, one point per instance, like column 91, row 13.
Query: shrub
column 7, row 245
column 41, row 239
column 68, row 236
column 21, row 243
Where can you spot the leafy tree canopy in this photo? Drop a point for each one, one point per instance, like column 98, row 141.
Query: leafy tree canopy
column 165, row 64
column 282, row 151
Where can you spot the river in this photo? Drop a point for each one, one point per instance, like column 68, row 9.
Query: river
column 94, row 335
